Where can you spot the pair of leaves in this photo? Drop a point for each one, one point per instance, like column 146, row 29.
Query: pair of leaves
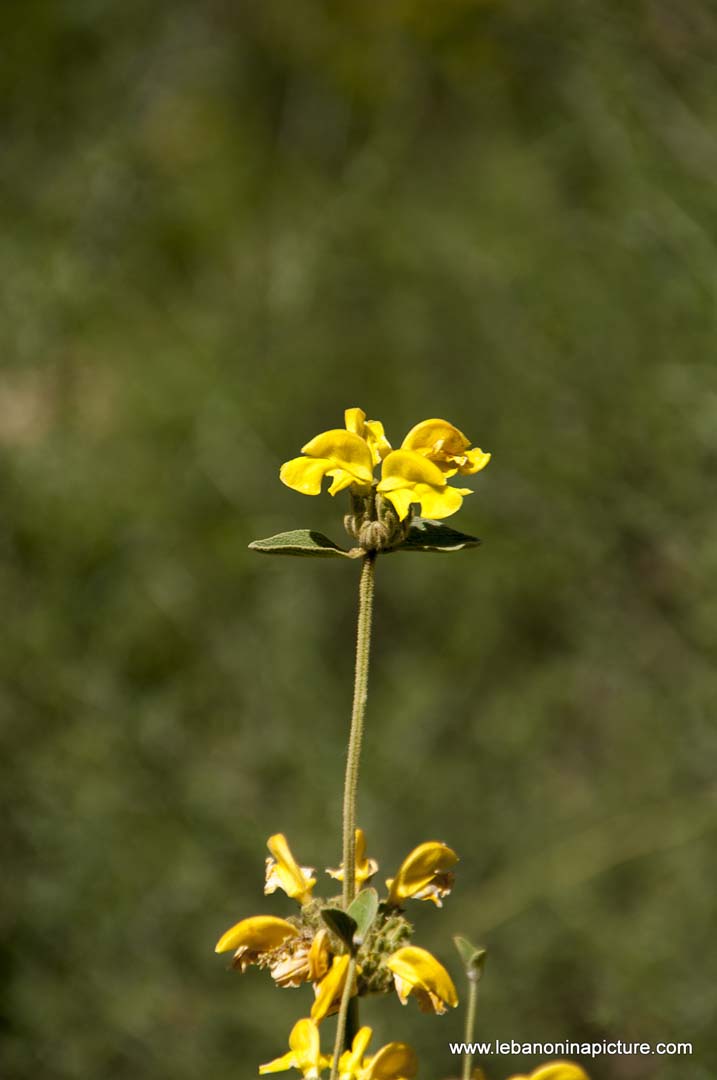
column 423, row 535
column 353, row 924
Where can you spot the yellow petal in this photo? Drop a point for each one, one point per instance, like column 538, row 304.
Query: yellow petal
column 419, row 869
column 304, row 1039
column 408, row 477
column 344, row 450
column 418, row 970
column 556, row 1070
column 436, row 436
column 445, row 445
column 395, row 1061
column 318, row 958
column 330, row 989
column 351, row 1060
column 476, row 460
column 283, row 871
column 354, row 419
column 369, row 430
column 365, row 868
column 341, row 480
column 409, row 467
column 439, row 502
column 305, row 1053
column 288, row 1061
column 304, row 474
column 260, row 933
column 401, row 499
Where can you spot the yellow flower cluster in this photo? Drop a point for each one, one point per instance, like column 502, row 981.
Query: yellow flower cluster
column 417, row 474
column 298, row 950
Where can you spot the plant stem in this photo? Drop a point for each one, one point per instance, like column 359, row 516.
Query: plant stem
column 341, row 1028
column 347, row 1023
column 358, row 712
column 470, row 1025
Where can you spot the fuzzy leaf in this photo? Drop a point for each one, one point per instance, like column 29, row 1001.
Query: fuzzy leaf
column 425, row 535
column 363, row 912
column 301, row 542
column 341, row 923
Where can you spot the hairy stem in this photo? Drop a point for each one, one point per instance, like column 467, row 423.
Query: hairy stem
column 347, row 1023
column 358, row 712
column 470, row 1025
column 342, row 1034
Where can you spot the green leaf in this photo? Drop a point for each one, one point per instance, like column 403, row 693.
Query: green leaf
column 302, row 542
column 425, row 535
column 472, row 956
column 363, row 912
column 341, row 923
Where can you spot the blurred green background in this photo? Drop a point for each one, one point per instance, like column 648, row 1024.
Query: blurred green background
column 223, row 223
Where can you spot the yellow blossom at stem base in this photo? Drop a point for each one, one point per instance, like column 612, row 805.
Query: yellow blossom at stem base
column 556, row 1070
column 304, row 1053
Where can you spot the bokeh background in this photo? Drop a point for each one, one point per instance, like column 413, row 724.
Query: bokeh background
column 222, row 224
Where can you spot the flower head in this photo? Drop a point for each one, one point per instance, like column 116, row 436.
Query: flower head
column 446, row 446
column 365, row 868
column 304, row 1053
column 556, row 1070
column 395, row 1061
column 346, row 455
column 408, row 477
column 253, row 937
column 283, row 871
column 423, row 875
column 417, row 972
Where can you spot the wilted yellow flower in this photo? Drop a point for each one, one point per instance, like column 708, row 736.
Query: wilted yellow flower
column 330, row 989
column 370, row 430
column 556, row 1070
column 344, row 455
column 408, row 477
column 446, row 446
column 283, row 871
column 254, row 936
column 304, row 1053
column 365, row 868
column 417, row 972
column 301, row 961
column 423, row 875
column 395, row 1061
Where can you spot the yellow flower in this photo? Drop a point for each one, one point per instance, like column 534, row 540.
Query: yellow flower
column 330, row 989
column 365, row 868
column 254, row 936
column 416, row 972
column 423, row 875
column 370, row 430
column 283, row 871
column 446, row 446
column 556, row 1070
column 351, row 1061
column 345, row 455
column 304, row 1053
column 408, row 477
column 395, row 1061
